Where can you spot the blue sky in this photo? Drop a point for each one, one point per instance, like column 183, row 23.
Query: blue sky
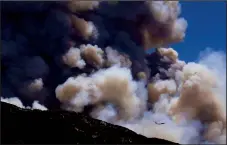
column 206, row 28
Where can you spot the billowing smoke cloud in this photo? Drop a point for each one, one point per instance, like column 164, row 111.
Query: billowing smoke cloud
column 113, row 85
column 75, row 54
column 192, row 112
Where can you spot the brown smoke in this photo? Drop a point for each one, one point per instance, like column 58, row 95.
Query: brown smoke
column 198, row 101
column 165, row 27
column 92, row 55
column 79, row 6
column 83, row 28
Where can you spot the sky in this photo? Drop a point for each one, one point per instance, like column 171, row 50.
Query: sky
column 206, row 28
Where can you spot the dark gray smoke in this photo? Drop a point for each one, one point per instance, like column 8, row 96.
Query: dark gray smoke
column 89, row 56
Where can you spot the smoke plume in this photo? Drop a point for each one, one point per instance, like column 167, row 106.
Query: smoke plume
column 89, row 56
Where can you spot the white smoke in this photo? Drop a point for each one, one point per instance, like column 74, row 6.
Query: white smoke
column 159, row 122
column 17, row 102
column 177, row 128
column 120, row 100
column 216, row 61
